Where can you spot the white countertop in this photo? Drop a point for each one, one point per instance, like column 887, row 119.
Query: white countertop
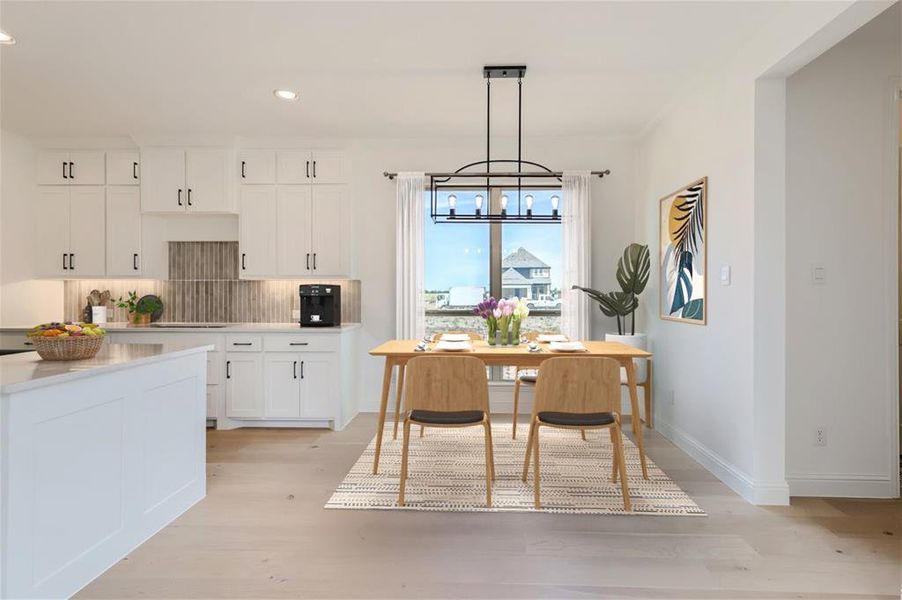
column 226, row 328
column 25, row 371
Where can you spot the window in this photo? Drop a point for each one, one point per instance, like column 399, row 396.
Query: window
column 466, row 263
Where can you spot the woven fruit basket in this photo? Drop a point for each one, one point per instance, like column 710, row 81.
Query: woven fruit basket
column 67, row 341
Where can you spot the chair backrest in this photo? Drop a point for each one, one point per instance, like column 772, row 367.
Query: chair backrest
column 531, row 336
column 578, row 385
column 473, row 336
column 446, row 384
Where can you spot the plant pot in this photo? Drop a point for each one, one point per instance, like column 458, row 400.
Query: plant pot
column 138, row 319
column 640, row 341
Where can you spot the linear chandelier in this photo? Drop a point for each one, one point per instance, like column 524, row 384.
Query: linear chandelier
column 505, row 180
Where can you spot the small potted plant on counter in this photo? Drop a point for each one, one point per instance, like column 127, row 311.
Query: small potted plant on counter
column 139, row 310
column 632, row 275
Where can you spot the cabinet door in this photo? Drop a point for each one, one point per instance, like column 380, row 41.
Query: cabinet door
column 257, row 166
column 244, row 385
column 282, row 376
column 293, row 231
column 294, row 166
column 328, row 166
column 123, row 231
column 205, row 171
column 257, row 231
column 163, row 180
column 87, row 168
column 326, row 229
column 319, row 395
column 53, row 168
column 87, row 222
column 123, row 168
column 51, row 232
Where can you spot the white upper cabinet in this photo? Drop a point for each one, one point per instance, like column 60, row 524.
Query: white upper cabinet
column 293, row 230
column 257, row 166
column 123, row 231
column 177, row 181
column 123, row 168
column 163, row 180
column 326, row 245
column 311, row 166
column 327, row 166
column 257, row 226
column 69, row 235
column 65, row 167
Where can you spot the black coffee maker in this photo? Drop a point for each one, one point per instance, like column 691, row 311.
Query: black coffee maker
column 320, row 305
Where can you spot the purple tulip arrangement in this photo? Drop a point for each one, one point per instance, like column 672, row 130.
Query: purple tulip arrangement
column 499, row 314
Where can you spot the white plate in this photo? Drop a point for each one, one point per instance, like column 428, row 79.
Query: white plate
column 448, row 346
column 551, row 337
column 567, row 347
column 455, row 337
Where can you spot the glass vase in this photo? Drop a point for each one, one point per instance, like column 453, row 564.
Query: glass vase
column 491, row 338
column 515, row 333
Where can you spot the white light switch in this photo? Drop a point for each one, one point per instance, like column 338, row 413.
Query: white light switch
column 818, row 274
column 725, row 275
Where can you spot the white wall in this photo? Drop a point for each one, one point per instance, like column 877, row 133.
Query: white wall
column 23, row 301
column 841, row 214
column 716, row 415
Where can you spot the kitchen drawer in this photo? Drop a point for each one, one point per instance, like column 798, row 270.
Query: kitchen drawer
column 14, row 340
column 166, row 337
column 292, row 342
column 244, row 343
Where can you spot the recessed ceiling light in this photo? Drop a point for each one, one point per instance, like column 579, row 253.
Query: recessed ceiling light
column 5, row 38
column 286, row 95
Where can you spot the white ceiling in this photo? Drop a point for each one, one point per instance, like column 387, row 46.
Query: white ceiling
column 363, row 69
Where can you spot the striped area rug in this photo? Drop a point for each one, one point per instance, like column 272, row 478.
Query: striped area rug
column 447, row 473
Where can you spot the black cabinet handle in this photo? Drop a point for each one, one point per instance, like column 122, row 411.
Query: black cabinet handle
column 308, row 169
column 189, row 196
column 302, row 369
column 298, row 343
column 72, row 261
column 314, row 169
column 180, row 196
column 308, row 261
column 135, row 261
column 134, row 170
column 71, row 170
column 228, row 369
column 243, row 261
column 64, row 262
column 242, row 343
column 64, row 171
column 29, row 343
column 314, row 261
column 294, row 369
column 243, row 172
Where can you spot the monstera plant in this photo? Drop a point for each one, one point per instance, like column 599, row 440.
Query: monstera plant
column 632, row 275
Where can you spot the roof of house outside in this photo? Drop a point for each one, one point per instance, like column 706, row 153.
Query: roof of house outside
column 522, row 258
column 513, row 278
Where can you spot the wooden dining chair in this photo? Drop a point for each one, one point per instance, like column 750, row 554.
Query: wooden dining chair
column 523, row 376
column 400, row 387
column 447, row 391
column 577, row 393
column 644, row 380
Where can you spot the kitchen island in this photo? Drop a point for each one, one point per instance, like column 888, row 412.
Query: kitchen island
column 97, row 456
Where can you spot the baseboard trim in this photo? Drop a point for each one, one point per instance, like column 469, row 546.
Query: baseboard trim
column 842, row 486
column 761, row 493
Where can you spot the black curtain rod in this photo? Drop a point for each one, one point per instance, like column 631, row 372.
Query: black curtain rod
column 538, row 175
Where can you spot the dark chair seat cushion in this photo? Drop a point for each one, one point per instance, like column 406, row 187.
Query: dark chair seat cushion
column 446, row 418
column 576, row 419
column 529, row 377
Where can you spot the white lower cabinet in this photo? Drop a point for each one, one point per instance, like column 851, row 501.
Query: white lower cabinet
column 244, row 385
column 300, row 385
column 282, row 393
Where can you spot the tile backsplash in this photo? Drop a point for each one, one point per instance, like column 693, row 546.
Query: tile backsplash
column 203, row 286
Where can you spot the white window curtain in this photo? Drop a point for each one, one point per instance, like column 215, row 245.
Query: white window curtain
column 410, row 319
column 577, row 244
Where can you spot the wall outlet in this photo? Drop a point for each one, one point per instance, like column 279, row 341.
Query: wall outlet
column 820, row 436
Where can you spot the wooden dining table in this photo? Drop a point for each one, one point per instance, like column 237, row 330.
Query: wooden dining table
column 398, row 352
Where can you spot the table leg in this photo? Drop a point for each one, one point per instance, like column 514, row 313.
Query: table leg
column 386, row 384
column 636, row 418
column 398, row 400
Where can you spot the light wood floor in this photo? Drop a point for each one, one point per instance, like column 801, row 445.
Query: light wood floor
column 262, row 533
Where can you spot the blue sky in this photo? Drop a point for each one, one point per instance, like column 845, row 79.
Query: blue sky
column 458, row 254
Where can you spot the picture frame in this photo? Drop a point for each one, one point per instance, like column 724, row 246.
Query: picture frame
column 683, row 254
